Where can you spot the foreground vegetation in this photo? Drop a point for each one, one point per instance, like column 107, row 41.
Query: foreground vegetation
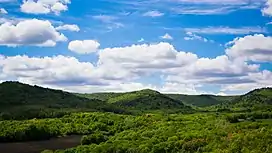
column 155, row 133
column 143, row 121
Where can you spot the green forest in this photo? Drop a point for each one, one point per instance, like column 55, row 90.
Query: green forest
column 143, row 121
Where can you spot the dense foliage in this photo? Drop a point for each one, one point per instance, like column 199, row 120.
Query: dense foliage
column 106, row 133
column 256, row 100
column 151, row 122
column 37, row 102
column 201, row 100
column 146, row 100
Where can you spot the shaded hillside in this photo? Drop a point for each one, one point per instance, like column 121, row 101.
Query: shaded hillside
column 100, row 96
column 19, row 100
column 146, row 100
column 15, row 93
column 201, row 100
column 256, row 99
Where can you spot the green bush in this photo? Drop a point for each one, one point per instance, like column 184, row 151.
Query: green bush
column 95, row 138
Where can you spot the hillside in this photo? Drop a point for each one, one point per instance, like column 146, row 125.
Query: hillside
column 28, row 101
column 15, row 93
column 256, row 99
column 193, row 100
column 146, row 100
column 201, row 100
column 100, row 96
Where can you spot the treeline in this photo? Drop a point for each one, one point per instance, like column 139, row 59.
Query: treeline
column 73, row 124
column 234, row 118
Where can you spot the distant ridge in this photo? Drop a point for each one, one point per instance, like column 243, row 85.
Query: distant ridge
column 201, row 100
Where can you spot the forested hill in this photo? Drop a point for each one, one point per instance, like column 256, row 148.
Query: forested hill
column 147, row 100
column 194, row 100
column 202, row 100
column 22, row 101
column 256, row 99
column 15, row 93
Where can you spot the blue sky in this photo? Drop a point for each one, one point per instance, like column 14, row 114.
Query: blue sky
column 175, row 46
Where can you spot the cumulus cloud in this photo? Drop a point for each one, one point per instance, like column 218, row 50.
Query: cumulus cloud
column 261, row 79
column 58, row 70
column 145, row 58
column 68, row 73
column 268, row 9
column 257, row 48
column 83, row 46
column 121, row 68
column 69, row 27
column 32, row 32
column 44, row 6
column 220, row 70
column 166, row 36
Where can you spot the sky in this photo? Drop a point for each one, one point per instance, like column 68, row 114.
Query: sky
column 221, row 47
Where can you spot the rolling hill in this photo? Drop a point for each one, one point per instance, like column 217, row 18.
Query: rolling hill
column 192, row 100
column 254, row 100
column 21, row 101
column 146, row 100
column 201, row 100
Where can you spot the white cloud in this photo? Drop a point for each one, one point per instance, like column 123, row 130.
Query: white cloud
column 146, row 58
column 30, row 32
column 110, row 21
column 141, row 40
column 226, row 30
column 69, row 74
column 44, row 6
column 5, row 1
column 105, row 18
column 33, row 7
column 268, row 9
column 192, row 36
column 3, row 11
column 153, row 14
column 220, row 70
column 203, row 10
column 195, row 7
column 166, row 36
column 59, row 7
column 257, row 48
column 121, row 68
column 261, row 79
column 69, row 27
column 59, row 70
column 84, row 46
column 213, row 2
